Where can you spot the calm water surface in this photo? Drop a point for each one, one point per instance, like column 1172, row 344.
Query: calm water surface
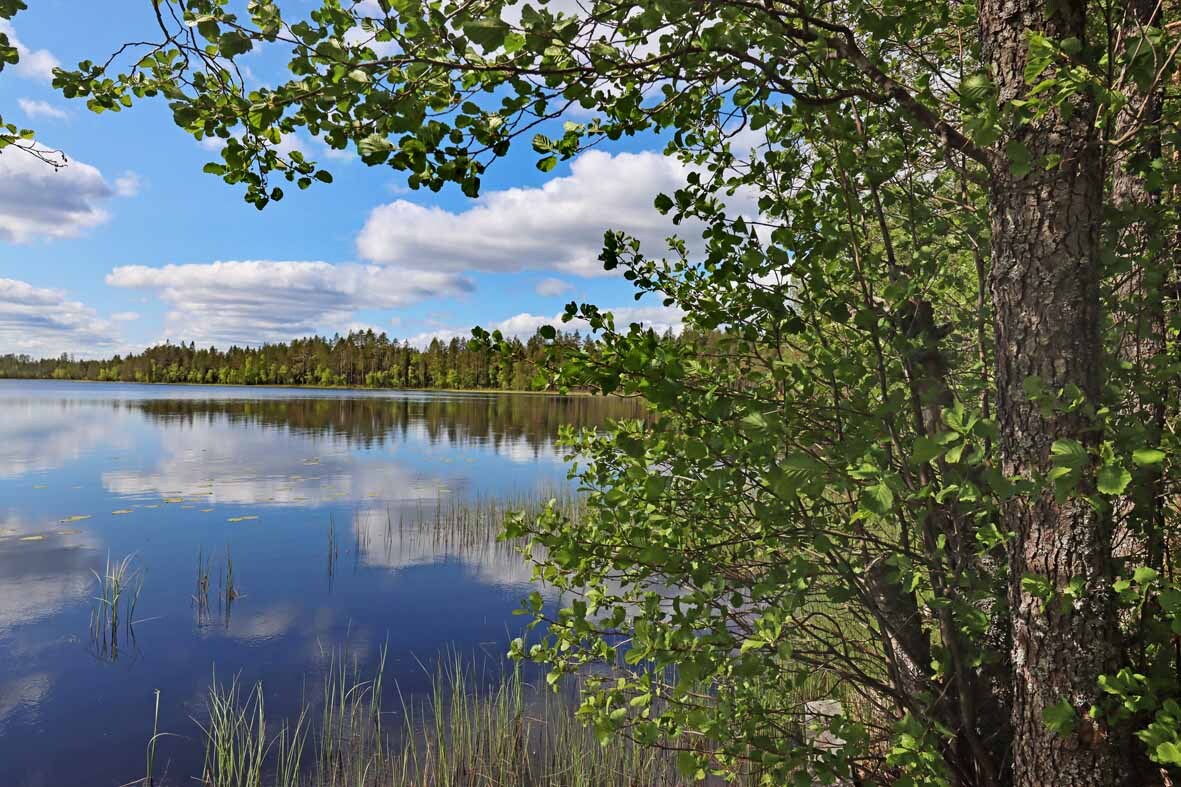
column 319, row 483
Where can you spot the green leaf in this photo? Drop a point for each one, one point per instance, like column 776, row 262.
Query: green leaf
column 1019, row 161
column 488, row 33
column 374, row 145
column 1068, row 453
column 688, row 763
column 548, row 163
column 877, row 498
column 955, row 452
column 1168, row 753
column 1146, row 457
column 924, row 450
column 234, row 43
column 1143, row 575
column 1038, row 587
column 795, row 472
column 513, row 42
column 1060, row 718
column 755, row 421
column 696, row 449
column 1113, row 479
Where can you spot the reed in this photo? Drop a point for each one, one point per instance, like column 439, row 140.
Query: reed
column 473, row 730
column 289, row 747
column 231, row 587
column 228, row 590
column 112, row 614
column 333, row 551
column 236, row 745
column 201, row 594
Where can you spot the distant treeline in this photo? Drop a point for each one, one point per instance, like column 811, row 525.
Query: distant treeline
column 360, row 359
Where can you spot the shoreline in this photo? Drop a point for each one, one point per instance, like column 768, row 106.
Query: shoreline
column 297, row 387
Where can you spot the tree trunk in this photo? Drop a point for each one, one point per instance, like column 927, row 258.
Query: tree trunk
column 1045, row 290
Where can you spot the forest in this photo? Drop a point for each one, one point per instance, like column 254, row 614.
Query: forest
column 358, row 359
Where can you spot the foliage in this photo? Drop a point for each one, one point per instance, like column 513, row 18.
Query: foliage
column 928, row 470
column 20, row 140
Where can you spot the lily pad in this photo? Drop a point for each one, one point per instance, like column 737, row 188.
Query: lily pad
column 75, row 518
column 242, row 518
column 122, row 511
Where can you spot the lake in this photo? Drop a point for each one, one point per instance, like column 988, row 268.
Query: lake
column 319, row 508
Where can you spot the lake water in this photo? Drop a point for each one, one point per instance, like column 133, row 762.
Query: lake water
column 318, row 498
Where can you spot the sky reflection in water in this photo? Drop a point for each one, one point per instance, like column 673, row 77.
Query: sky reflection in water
column 322, row 486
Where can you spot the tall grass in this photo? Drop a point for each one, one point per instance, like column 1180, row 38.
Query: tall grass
column 112, row 613
column 238, row 752
column 472, row 730
column 227, row 589
column 236, row 744
column 333, row 550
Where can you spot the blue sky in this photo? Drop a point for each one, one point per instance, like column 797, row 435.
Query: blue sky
column 132, row 244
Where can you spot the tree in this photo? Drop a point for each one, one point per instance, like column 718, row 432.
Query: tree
column 903, row 473
column 13, row 139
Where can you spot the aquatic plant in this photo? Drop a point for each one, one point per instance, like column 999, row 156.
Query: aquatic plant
column 333, row 550
column 228, row 590
column 474, row 729
column 201, row 595
column 112, row 614
column 235, row 736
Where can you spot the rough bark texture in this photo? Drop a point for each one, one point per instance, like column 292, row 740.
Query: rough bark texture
column 1045, row 289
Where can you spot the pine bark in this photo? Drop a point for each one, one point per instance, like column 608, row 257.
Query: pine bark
column 1045, row 289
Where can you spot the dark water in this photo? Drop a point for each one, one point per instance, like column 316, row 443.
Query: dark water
column 322, row 485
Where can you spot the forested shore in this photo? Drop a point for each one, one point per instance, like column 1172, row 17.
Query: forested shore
column 359, row 359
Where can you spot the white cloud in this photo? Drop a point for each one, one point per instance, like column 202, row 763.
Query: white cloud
column 28, row 691
column 43, row 322
column 128, row 184
column 288, row 144
column 550, row 288
column 41, row 109
column 34, row 438
column 256, row 301
column 524, row 325
column 34, row 64
column 39, row 201
column 334, row 154
column 125, row 316
column 558, row 226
